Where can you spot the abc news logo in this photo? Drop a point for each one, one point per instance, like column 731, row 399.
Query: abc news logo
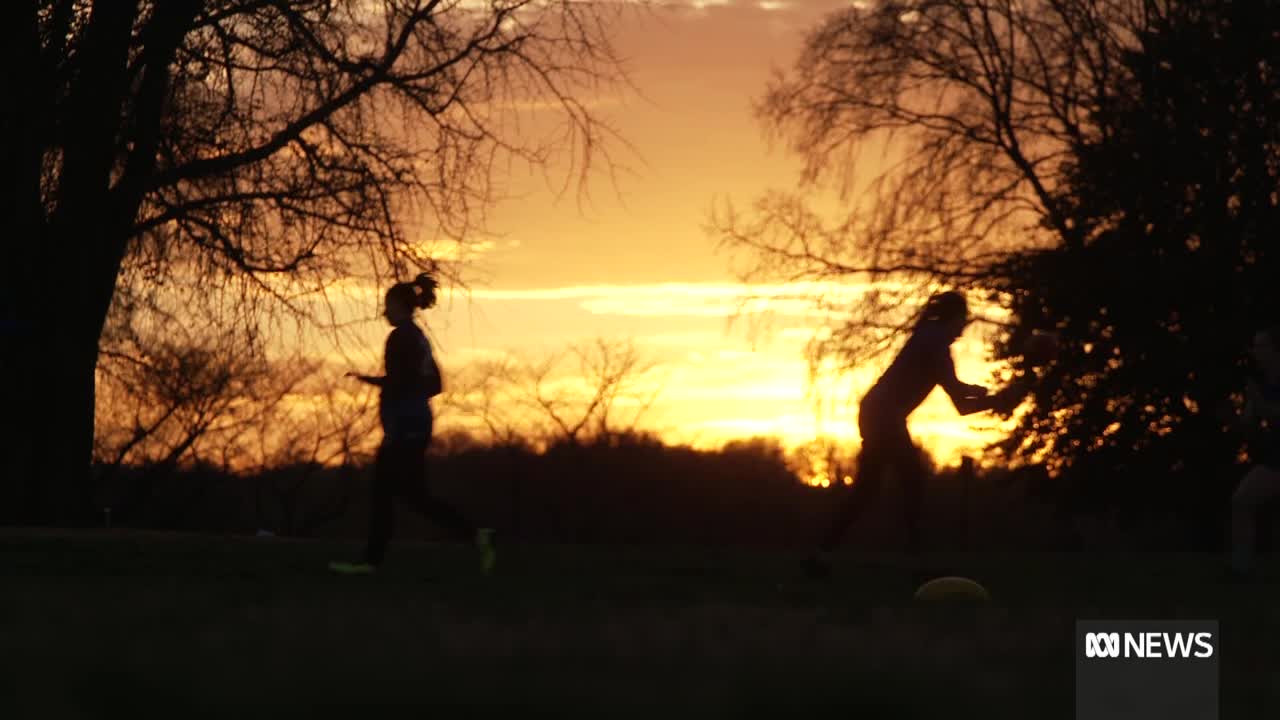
column 1147, row 669
column 1149, row 645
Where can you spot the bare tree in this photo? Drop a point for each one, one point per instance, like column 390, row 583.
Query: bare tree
column 945, row 126
column 331, row 433
column 590, row 391
column 606, row 393
column 175, row 393
column 254, row 147
column 485, row 397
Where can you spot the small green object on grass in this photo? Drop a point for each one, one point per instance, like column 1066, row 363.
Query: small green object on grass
column 348, row 568
column 488, row 551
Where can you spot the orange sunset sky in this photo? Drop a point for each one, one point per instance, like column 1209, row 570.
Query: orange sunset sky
column 636, row 262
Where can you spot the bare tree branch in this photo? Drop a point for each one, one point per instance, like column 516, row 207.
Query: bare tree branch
column 945, row 126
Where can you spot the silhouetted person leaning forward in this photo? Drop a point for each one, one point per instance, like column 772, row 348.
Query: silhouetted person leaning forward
column 923, row 363
column 412, row 379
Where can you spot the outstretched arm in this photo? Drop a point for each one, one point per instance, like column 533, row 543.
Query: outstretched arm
column 968, row 399
column 375, row 380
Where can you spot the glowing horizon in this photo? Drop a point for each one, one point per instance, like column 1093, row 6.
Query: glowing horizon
column 634, row 261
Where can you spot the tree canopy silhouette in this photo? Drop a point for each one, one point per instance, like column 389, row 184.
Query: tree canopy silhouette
column 1177, row 211
column 252, row 146
column 1105, row 168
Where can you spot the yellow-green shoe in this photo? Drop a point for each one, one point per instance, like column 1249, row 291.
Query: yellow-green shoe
column 488, row 551
column 348, row 568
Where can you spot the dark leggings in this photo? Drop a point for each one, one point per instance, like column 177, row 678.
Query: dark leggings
column 886, row 448
column 401, row 472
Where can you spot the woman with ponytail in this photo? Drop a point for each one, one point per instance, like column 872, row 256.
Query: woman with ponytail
column 412, row 378
column 923, row 363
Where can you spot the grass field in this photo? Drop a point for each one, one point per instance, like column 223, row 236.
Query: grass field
column 139, row 625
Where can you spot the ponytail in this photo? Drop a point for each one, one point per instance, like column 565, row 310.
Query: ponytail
column 420, row 293
column 426, row 285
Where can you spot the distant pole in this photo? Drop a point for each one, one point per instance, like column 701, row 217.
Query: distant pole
column 514, row 478
column 967, row 473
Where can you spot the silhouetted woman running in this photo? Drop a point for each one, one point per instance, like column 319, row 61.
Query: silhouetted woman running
column 412, row 379
column 924, row 363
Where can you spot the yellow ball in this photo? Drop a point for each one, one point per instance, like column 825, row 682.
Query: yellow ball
column 952, row 588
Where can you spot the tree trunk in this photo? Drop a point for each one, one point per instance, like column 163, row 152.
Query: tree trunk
column 68, row 257
column 23, row 122
column 48, row 383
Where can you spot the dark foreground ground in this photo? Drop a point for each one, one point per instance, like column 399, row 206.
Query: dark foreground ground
column 141, row 625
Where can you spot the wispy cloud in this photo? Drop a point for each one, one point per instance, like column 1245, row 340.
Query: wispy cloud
column 447, row 250
column 689, row 299
column 708, row 299
column 703, row 4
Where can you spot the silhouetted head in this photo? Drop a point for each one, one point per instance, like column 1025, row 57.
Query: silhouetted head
column 1266, row 349
column 948, row 309
column 403, row 298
